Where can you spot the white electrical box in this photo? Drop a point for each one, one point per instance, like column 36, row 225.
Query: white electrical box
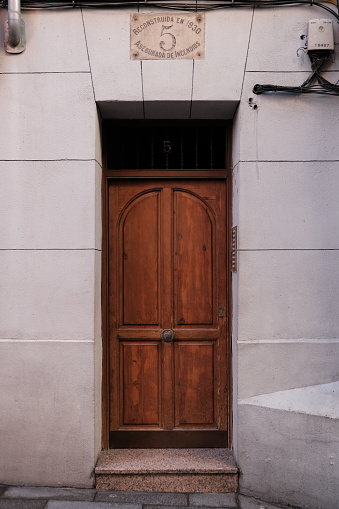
column 320, row 35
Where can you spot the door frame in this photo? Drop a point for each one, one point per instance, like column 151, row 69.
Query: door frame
column 109, row 175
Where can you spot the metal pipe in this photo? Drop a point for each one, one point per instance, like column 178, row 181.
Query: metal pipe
column 14, row 22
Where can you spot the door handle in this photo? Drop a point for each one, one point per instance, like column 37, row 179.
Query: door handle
column 167, row 335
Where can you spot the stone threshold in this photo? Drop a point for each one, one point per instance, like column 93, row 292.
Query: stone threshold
column 167, row 470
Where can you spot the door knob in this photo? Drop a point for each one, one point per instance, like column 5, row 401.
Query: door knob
column 167, row 335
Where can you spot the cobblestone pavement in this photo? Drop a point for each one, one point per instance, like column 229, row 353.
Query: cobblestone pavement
column 18, row 497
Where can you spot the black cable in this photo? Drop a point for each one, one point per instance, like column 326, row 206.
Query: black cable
column 318, row 58
column 190, row 5
column 322, row 86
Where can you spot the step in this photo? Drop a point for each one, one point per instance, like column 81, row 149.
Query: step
column 167, row 470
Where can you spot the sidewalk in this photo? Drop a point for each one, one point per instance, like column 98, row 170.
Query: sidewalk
column 15, row 497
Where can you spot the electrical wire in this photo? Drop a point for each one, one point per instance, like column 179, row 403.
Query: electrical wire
column 189, row 5
column 317, row 58
column 314, row 84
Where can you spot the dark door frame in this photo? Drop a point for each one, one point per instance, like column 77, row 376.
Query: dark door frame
column 109, row 174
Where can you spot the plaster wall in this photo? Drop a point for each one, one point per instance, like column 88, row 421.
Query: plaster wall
column 50, row 250
column 285, row 158
column 287, row 324
column 279, row 458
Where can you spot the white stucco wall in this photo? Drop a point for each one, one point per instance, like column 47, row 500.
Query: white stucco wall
column 292, row 450
column 50, row 230
column 286, row 181
column 285, row 158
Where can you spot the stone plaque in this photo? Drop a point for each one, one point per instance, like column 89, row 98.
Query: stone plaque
column 167, row 36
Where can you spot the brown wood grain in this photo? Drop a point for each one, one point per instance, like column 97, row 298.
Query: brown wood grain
column 139, row 251
column 140, row 383
column 193, row 260
column 167, row 269
column 194, row 384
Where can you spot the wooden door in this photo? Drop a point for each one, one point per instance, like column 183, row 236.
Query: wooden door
column 167, row 313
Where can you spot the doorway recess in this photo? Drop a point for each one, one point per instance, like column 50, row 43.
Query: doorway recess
column 166, row 284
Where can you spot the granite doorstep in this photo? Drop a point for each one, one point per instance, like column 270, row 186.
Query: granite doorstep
column 200, row 483
column 173, row 470
column 155, row 461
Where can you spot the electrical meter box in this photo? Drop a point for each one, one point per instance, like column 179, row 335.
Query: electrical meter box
column 320, row 35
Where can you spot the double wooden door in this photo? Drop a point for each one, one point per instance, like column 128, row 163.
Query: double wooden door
column 168, row 345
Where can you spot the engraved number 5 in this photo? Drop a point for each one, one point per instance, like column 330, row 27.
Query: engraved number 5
column 162, row 43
